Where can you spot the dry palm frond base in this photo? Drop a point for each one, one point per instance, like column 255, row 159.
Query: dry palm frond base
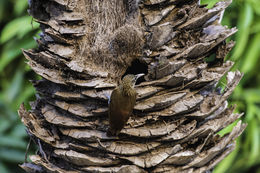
column 84, row 50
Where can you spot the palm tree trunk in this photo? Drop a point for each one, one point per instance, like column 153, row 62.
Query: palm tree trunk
column 86, row 46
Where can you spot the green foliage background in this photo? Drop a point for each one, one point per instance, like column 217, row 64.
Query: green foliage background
column 17, row 30
column 245, row 15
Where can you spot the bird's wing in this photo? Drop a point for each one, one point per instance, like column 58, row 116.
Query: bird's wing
column 112, row 97
column 133, row 101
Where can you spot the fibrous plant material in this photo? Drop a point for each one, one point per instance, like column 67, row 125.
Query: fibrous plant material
column 87, row 46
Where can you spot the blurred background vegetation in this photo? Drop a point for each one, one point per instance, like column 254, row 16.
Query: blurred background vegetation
column 17, row 30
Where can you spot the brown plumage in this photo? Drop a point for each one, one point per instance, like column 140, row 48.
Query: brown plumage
column 122, row 102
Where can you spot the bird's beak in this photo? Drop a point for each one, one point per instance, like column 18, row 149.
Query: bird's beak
column 139, row 75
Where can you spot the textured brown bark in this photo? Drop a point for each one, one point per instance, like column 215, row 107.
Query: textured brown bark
column 86, row 46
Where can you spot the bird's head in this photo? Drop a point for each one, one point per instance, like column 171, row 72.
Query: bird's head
column 131, row 79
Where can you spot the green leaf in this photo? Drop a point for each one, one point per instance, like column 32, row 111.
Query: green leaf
column 251, row 95
column 11, row 155
column 4, row 124
column 9, row 141
column 227, row 129
column 252, row 55
column 254, row 153
column 15, row 87
column 237, row 92
column 2, row 11
column 258, row 113
column 17, row 27
column 210, row 3
column 3, row 168
column 18, row 131
column 224, row 165
column 250, row 111
column 28, row 92
column 245, row 21
column 12, row 49
column 256, row 26
column 20, row 6
column 256, row 5
column 8, row 113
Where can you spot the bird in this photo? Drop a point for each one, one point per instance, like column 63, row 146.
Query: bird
column 121, row 104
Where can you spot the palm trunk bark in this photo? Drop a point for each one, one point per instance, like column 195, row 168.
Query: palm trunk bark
column 86, row 46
